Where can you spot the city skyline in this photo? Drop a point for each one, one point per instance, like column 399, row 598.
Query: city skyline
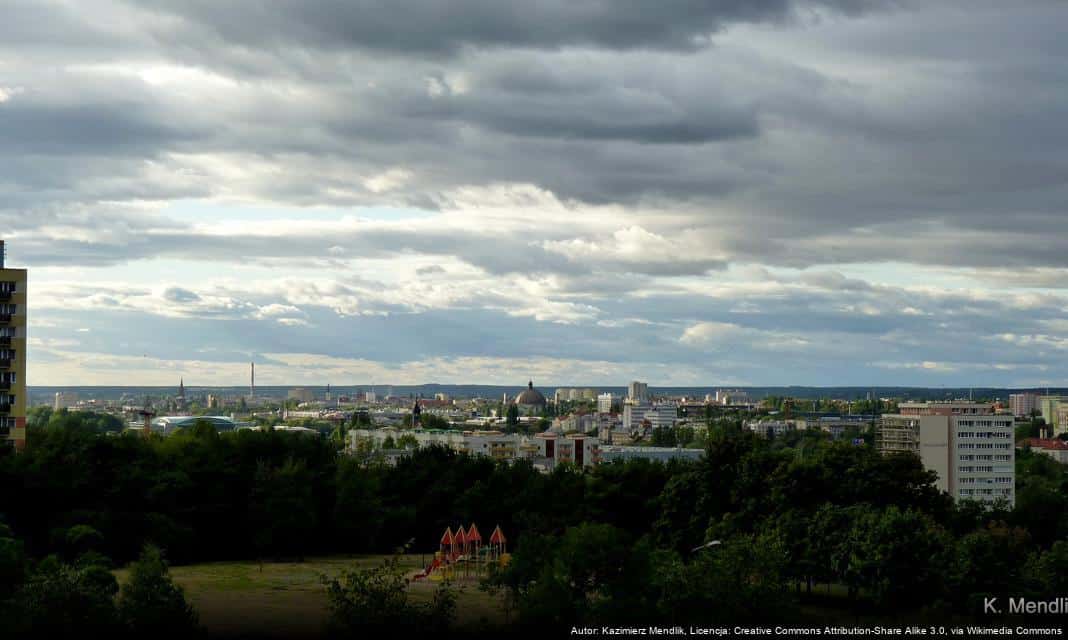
column 820, row 193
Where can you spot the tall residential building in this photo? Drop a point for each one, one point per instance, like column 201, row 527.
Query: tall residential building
column 64, row 400
column 968, row 445
column 638, row 392
column 604, row 403
column 12, row 353
column 1022, row 404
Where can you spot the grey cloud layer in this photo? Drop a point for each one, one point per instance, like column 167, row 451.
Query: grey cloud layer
column 671, row 141
column 426, row 26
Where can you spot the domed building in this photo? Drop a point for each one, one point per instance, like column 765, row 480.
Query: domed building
column 530, row 401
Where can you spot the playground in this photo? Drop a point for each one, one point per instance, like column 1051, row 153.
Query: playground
column 462, row 557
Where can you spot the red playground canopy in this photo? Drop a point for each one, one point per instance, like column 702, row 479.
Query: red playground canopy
column 498, row 536
column 473, row 535
column 459, row 539
column 447, row 539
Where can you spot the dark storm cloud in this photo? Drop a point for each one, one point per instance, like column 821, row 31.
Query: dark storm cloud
column 431, row 27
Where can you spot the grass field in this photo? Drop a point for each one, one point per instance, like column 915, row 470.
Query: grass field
column 287, row 599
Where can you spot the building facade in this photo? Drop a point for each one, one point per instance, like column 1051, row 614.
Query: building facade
column 638, row 393
column 1022, row 404
column 13, row 325
column 1054, row 411
column 968, row 445
column 544, row 450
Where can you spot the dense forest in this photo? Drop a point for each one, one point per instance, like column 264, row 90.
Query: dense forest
column 619, row 541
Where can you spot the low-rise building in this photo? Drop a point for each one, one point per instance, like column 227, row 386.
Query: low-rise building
column 1052, row 447
column 774, row 428
column 545, row 450
column 658, row 454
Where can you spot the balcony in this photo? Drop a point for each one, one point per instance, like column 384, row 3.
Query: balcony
column 5, row 341
column 5, row 385
column 5, row 318
column 5, row 408
column 5, row 363
column 6, row 295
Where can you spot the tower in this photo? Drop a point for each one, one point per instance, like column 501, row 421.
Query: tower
column 252, row 384
column 13, row 325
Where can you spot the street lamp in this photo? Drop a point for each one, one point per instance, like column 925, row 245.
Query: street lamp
column 707, row 545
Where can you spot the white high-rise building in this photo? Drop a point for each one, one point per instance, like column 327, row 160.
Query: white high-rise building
column 604, row 403
column 65, row 399
column 969, row 446
column 638, row 392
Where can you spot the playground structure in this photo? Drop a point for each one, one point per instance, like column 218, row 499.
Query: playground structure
column 461, row 555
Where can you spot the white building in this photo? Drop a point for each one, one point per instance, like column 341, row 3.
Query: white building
column 370, row 397
column 604, row 403
column 65, row 399
column 965, row 443
column 545, row 450
column 774, row 428
column 735, row 397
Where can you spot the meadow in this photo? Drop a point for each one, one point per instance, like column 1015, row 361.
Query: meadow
column 288, row 599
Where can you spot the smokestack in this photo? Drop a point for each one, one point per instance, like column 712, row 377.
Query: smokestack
column 3, row 250
column 252, row 387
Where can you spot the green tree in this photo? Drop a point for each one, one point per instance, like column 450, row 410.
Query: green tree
column 282, row 508
column 593, row 573
column 59, row 600
column 376, row 599
column 899, row 557
column 13, row 563
column 739, row 580
column 151, row 604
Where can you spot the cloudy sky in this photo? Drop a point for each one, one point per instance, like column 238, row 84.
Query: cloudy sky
column 689, row 192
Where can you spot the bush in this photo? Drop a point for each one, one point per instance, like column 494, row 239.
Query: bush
column 377, row 599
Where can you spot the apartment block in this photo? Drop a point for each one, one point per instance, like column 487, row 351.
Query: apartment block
column 1022, row 404
column 13, row 399
column 967, row 444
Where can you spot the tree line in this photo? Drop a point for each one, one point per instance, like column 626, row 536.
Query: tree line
column 590, row 545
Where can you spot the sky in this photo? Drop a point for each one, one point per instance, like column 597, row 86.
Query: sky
column 579, row 192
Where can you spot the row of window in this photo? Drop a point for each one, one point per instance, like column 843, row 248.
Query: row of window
column 997, row 480
column 8, row 287
column 984, row 445
column 985, row 434
column 984, row 423
column 986, row 492
column 972, row 458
